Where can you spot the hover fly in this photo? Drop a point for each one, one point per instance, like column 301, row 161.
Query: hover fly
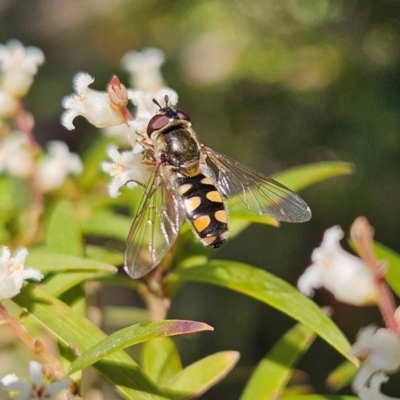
column 183, row 187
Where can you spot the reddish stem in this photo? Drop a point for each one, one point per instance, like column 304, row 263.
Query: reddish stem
column 25, row 122
column 33, row 344
column 362, row 234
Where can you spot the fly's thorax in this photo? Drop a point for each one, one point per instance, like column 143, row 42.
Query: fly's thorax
column 205, row 208
column 177, row 145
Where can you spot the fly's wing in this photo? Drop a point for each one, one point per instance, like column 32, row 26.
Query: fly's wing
column 155, row 227
column 256, row 192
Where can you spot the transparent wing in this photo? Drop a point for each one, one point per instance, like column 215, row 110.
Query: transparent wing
column 256, row 192
column 155, row 227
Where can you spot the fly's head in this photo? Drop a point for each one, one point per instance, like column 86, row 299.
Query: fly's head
column 165, row 116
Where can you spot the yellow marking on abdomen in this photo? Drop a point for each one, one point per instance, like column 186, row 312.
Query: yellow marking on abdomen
column 184, row 188
column 214, row 196
column 209, row 240
column 192, row 203
column 220, row 216
column 206, row 181
column 202, row 223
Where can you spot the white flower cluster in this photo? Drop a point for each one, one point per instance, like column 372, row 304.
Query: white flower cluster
column 97, row 107
column 18, row 65
column 56, row 164
column 346, row 276
column 17, row 160
column 36, row 389
column 13, row 274
column 351, row 281
column 379, row 350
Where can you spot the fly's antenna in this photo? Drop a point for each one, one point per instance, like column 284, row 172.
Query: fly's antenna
column 157, row 103
column 166, row 99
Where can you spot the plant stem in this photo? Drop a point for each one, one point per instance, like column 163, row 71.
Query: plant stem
column 362, row 234
column 157, row 303
column 34, row 344
column 25, row 123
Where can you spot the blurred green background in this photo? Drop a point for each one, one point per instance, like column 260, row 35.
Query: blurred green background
column 271, row 83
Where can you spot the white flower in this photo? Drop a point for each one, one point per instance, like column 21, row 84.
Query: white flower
column 14, row 55
column 146, row 108
column 343, row 274
column 95, row 106
column 127, row 169
column 8, row 105
column 18, row 65
column 373, row 391
column 56, row 165
column 36, row 389
column 144, row 67
column 379, row 350
column 3, row 389
column 13, row 274
column 15, row 157
column 124, row 134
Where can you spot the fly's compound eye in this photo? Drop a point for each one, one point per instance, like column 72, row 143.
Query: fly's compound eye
column 156, row 123
column 182, row 115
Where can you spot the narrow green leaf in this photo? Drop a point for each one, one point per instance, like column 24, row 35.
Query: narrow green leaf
column 269, row 289
column 135, row 334
column 104, row 223
column 75, row 297
column 63, row 233
column 117, row 317
column 92, row 160
column 61, row 283
column 198, row 377
column 4, row 234
column 341, row 376
column 160, row 359
column 319, row 397
column 392, row 260
column 79, row 334
column 7, row 195
column 298, row 178
column 104, row 255
column 274, row 371
column 51, row 262
column 239, row 213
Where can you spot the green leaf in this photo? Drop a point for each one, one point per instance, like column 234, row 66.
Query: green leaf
column 104, row 255
column 7, row 195
column 49, row 262
column 319, row 397
column 92, row 160
column 79, row 334
column 4, row 234
column 269, row 289
column 200, row 376
column 133, row 335
column 117, row 317
column 306, row 175
column 392, row 260
column 106, row 224
column 160, row 359
column 61, row 283
column 63, row 233
column 64, row 237
column 274, row 371
column 341, row 376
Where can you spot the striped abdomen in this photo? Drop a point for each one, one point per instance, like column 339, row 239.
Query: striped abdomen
column 205, row 209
